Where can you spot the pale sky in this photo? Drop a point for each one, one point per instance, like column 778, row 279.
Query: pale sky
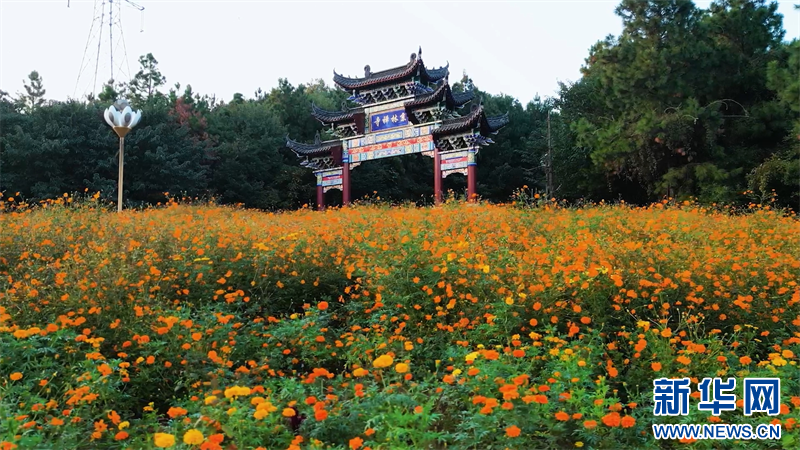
column 223, row 47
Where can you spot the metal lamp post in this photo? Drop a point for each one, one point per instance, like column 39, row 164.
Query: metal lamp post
column 121, row 118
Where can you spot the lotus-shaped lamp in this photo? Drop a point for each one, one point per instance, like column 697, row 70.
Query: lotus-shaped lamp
column 121, row 117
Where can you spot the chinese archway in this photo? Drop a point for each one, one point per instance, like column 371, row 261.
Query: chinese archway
column 408, row 109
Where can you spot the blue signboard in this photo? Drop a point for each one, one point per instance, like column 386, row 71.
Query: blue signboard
column 388, row 119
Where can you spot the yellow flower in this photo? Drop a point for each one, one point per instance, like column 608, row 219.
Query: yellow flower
column 360, row 372
column 237, row 391
column 231, row 411
column 266, row 406
column 471, row 356
column 457, row 372
column 164, row 440
column 382, row 361
column 149, row 407
column 288, row 412
column 210, row 399
column 401, row 368
column 193, row 437
column 579, row 444
column 260, row 414
column 779, row 361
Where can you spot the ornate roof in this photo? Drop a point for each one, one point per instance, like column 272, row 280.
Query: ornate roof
column 493, row 124
column 442, row 92
column 408, row 70
column 476, row 118
column 344, row 115
column 318, row 148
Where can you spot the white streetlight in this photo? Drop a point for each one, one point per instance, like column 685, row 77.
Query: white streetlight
column 121, row 118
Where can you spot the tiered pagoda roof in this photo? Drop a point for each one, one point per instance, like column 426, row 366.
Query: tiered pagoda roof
column 424, row 93
column 414, row 68
column 476, row 118
column 344, row 115
column 441, row 93
column 318, row 148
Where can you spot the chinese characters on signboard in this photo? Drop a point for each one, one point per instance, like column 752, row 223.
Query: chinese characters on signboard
column 671, row 396
column 388, row 119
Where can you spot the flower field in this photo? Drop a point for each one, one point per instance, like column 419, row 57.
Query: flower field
column 375, row 327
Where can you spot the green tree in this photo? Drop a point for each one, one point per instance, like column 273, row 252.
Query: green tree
column 781, row 171
column 250, row 165
column 685, row 107
column 34, row 92
column 111, row 93
column 144, row 86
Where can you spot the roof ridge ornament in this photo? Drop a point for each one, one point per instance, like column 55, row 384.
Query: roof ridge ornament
column 367, row 71
column 420, row 52
column 317, row 139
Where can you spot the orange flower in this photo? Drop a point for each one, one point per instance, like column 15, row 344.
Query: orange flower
column 562, row 416
column 612, row 419
column 15, row 376
column 628, row 421
column 590, row 424
column 356, row 442
column 656, row 366
column 174, row 412
column 322, row 306
column 745, row 360
column 513, row 431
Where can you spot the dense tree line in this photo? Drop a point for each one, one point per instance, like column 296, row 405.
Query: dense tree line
column 684, row 102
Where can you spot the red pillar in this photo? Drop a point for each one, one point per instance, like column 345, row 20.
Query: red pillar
column 437, row 176
column 471, row 194
column 320, row 198
column 346, row 183
column 471, row 176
